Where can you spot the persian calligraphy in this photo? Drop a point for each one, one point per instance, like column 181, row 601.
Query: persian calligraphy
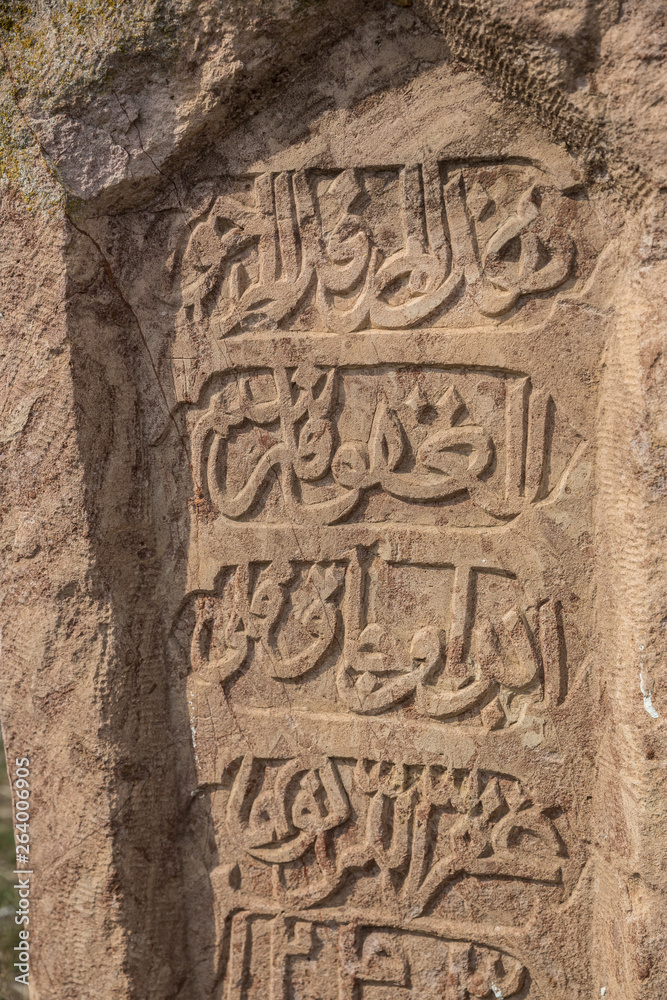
column 378, row 452
column 329, row 442
column 256, row 609
column 447, row 673
column 419, row 827
column 344, row 957
column 388, row 248
column 286, row 618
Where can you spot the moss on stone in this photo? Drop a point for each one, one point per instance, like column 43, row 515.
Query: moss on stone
column 57, row 56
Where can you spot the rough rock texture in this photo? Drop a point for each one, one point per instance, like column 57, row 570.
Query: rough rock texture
column 333, row 439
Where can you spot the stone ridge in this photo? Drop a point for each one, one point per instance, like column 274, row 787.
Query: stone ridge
column 482, row 39
column 61, row 61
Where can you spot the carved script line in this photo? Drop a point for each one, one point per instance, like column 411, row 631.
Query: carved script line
column 354, row 284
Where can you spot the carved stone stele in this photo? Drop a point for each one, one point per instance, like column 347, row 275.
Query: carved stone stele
column 333, row 598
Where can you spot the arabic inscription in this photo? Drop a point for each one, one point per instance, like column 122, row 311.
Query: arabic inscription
column 385, row 248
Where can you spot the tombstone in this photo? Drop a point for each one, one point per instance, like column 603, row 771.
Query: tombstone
column 335, row 503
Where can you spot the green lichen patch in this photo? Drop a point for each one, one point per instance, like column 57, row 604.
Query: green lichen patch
column 13, row 13
column 59, row 56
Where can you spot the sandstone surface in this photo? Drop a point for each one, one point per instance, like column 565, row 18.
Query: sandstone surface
column 333, row 447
